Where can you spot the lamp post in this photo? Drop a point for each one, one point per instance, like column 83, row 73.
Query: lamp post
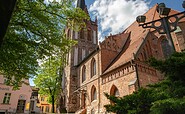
column 163, row 25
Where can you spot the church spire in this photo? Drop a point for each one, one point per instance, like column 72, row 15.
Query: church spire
column 81, row 4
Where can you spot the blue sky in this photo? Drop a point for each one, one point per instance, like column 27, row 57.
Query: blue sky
column 116, row 15
column 175, row 4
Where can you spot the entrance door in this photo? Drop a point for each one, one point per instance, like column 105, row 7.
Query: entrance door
column 21, row 106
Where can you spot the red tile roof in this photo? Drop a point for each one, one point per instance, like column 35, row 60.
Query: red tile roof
column 137, row 36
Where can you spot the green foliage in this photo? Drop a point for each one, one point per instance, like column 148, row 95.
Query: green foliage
column 172, row 67
column 48, row 79
column 34, row 33
column 164, row 97
column 139, row 102
column 168, row 106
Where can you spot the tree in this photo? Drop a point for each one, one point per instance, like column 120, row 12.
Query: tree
column 164, row 97
column 48, row 79
column 34, row 32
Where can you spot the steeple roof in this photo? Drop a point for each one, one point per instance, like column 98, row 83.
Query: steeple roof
column 81, row 4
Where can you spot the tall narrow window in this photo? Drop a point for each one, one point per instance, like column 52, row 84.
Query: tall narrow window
column 89, row 35
column 69, row 33
column 94, row 36
column 75, row 56
column 83, row 73
column 93, row 93
column 83, row 53
column 6, row 99
column 76, row 34
column 93, row 67
column 83, row 99
column 166, row 48
column 82, row 34
column 85, row 33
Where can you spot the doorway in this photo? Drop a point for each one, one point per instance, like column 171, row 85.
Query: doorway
column 21, row 106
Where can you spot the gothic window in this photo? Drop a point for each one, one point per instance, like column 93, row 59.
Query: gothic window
column 166, row 48
column 83, row 99
column 82, row 34
column 83, row 73
column 93, row 93
column 68, row 33
column 85, row 33
column 75, row 34
column 83, row 53
column 114, row 91
column 75, row 56
column 93, row 67
column 89, row 35
column 94, row 36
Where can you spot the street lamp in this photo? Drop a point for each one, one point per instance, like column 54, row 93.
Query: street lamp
column 163, row 25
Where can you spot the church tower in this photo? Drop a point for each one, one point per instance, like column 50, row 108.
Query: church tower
column 87, row 42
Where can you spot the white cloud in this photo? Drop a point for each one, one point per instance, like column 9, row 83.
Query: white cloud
column 115, row 15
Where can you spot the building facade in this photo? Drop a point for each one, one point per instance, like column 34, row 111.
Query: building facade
column 44, row 105
column 14, row 101
column 34, row 101
column 116, row 65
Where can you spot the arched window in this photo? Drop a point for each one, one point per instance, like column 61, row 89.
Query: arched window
column 93, row 93
column 69, row 33
column 93, row 67
column 85, row 33
column 82, row 34
column 166, row 48
column 89, row 35
column 114, row 91
column 83, row 73
column 83, row 99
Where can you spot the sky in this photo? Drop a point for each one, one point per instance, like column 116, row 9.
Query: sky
column 114, row 16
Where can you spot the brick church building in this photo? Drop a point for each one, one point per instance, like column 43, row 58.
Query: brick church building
column 116, row 65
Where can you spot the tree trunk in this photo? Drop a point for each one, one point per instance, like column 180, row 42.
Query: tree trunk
column 53, row 103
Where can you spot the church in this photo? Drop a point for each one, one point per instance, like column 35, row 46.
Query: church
column 116, row 65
